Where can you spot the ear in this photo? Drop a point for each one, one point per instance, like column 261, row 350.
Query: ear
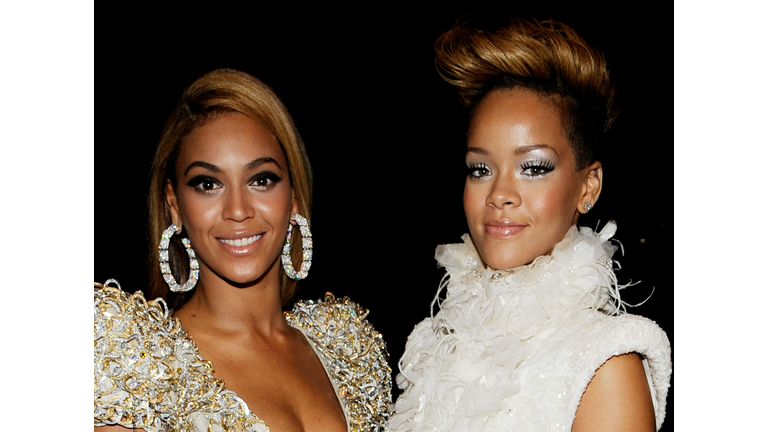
column 173, row 205
column 294, row 204
column 593, row 184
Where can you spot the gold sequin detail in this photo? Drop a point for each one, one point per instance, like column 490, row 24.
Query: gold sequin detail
column 355, row 357
column 148, row 372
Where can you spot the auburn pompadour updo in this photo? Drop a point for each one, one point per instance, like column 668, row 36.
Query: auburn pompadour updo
column 548, row 58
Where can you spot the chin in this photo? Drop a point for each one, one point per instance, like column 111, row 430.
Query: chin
column 242, row 279
column 498, row 260
column 506, row 265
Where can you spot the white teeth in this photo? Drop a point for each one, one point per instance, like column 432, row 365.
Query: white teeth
column 241, row 241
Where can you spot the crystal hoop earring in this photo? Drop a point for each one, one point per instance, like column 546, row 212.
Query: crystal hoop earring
column 165, row 266
column 306, row 248
column 587, row 207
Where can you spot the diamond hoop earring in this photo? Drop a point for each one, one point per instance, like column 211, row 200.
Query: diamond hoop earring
column 165, row 266
column 306, row 248
column 587, row 207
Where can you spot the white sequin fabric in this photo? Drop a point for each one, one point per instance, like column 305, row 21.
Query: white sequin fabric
column 515, row 350
column 148, row 373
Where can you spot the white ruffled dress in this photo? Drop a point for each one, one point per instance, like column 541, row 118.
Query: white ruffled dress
column 515, row 350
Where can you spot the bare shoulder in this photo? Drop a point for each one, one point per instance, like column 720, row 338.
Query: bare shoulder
column 617, row 399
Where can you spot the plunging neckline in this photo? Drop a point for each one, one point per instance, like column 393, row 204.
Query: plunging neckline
column 323, row 362
column 143, row 354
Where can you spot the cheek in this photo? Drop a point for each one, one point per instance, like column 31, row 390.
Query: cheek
column 554, row 201
column 275, row 206
column 474, row 203
column 474, row 197
column 195, row 212
column 275, row 210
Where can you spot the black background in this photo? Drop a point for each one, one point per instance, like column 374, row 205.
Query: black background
column 384, row 135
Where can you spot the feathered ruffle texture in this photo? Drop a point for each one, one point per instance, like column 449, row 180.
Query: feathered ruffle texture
column 460, row 365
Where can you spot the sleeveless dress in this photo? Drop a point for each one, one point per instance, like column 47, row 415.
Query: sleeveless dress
column 148, row 373
column 515, row 350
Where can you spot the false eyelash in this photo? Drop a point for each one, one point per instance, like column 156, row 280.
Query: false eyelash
column 471, row 168
column 546, row 164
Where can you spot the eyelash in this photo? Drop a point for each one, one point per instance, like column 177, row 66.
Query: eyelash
column 197, row 183
column 543, row 166
column 263, row 181
column 478, row 171
column 472, row 171
column 269, row 177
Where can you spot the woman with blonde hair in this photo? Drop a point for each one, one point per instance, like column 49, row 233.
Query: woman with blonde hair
column 532, row 334
column 230, row 185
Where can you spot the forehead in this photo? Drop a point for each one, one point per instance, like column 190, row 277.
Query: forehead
column 516, row 118
column 232, row 138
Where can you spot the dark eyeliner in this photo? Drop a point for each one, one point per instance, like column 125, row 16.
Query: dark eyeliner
column 539, row 163
column 196, row 181
column 265, row 175
column 545, row 166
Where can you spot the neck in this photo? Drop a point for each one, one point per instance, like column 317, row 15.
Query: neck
column 225, row 307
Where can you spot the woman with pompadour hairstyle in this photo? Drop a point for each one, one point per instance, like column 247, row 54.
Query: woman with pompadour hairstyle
column 532, row 334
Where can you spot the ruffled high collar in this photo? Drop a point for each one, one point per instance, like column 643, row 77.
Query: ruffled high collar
column 577, row 274
column 490, row 322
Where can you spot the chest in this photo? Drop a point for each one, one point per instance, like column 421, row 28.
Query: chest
column 286, row 387
column 149, row 373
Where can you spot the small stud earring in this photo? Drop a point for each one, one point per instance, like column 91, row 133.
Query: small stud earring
column 587, row 207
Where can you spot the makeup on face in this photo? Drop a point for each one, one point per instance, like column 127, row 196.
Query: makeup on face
column 522, row 187
column 233, row 198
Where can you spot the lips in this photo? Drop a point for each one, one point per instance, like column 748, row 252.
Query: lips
column 503, row 228
column 241, row 241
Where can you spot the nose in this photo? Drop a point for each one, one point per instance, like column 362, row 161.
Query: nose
column 238, row 206
column 504, row 192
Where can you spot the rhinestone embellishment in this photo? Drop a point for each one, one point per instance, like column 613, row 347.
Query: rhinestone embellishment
column 165, row 265
column 306, row 248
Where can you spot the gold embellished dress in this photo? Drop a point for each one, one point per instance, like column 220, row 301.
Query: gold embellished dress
column 148, row 372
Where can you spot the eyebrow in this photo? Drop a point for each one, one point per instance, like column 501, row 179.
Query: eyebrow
column 202, row 164
column 518, row 151
column 529, row 148
column 478, row 150
column 251, row 165
column 261, row 161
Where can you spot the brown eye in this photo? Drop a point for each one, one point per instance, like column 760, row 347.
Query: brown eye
column 537, row 168
column 265, row 180
column 204, row 184
column 478, row 171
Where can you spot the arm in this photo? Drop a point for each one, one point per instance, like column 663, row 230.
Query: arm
column 617, row 398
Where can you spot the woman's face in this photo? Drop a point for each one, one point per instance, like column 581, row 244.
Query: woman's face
column 522, row 192
column 234, row 198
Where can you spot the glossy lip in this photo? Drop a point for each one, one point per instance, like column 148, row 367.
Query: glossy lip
column 255, row 238
column 503, row 228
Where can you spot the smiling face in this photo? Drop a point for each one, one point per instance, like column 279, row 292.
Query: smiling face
column 522, row 192
column 233, row 197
